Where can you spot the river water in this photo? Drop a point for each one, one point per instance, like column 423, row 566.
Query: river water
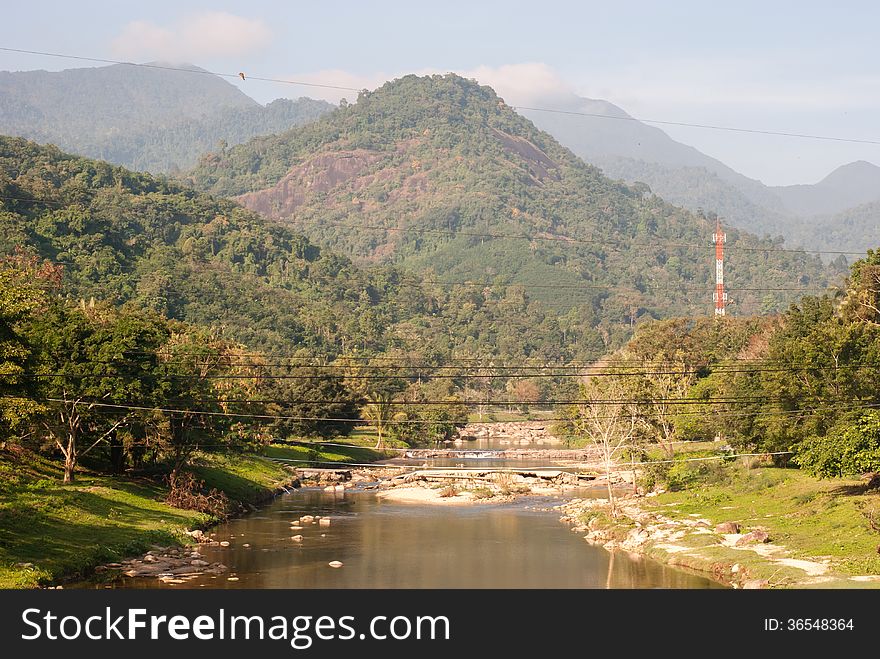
column 383, row 544
column 391, row 545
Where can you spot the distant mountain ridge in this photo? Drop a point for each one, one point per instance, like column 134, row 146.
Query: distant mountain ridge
column 143, row 117
column 847, row 186
column 632, row 151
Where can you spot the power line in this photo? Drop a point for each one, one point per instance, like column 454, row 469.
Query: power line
column 555, row 467
column 719, row 400
column 686, row 124
column 301, row 83
column 600, row 362
column 359, row 421
column 101, row 60
column 706, row 371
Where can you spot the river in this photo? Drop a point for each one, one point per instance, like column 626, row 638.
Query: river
column 389, row 545
column 383, row 544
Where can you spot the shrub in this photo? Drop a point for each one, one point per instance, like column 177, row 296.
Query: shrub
column 684, row 472
column 188, row 493
column 851, row 447
column 507, row 485
column 449, row 490
column 482, row 493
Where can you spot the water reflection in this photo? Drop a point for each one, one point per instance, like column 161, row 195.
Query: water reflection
column 389, row 545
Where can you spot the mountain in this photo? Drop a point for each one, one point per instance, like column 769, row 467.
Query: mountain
column 632, row 151
column 133, row 240
column 615, row 140
column 143, row 117
column 438, row 174
column 850, row 185
column 849, row 230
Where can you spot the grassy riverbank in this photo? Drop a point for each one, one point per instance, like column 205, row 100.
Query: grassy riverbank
column 820, row 532
column 50, row 531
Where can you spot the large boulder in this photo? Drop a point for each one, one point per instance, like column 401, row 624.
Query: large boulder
column 727, row 527
column 753, row 537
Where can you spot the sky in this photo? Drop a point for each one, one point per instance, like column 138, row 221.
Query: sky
column 797, row 67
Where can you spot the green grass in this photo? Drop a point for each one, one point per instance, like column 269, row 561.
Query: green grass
column 301, row 456
column 813, row 519
column 66, row 530
column 245, row 478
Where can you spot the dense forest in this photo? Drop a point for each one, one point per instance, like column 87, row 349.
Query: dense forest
column 177, row 146
column 143, row 321
column 439, row 175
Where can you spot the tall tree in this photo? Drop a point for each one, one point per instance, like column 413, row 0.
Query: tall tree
column 92, row 372
column 22, row 293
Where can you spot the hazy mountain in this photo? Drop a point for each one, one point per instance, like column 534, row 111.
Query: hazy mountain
column 145, row 118
column 614, row 138
column 851, row 230
column 632, row 151
column 437, row 173
column 850, row 185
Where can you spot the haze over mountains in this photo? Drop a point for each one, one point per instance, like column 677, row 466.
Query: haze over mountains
column 823, row 215
column 145, row 118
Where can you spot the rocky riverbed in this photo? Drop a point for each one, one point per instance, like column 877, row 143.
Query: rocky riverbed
column 513, row 432
column 168, row 564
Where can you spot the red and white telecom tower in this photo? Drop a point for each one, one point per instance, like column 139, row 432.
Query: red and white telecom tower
column 719, row 296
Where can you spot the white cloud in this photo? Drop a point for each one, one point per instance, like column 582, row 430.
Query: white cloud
column 524, row 84
column 194, row 37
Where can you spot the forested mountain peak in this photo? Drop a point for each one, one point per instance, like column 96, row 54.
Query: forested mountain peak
column 439, row 174
column 113, row 95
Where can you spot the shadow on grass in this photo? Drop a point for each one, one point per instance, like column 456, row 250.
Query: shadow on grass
column 868, row 487
column 70, row 531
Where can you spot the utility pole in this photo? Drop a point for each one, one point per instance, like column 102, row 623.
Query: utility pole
column 719, row 296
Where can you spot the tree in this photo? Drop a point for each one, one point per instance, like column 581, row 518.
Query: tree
column 852, row 447
column 526, row 391
column 213, row 383
column 21, row 277
column 380, row 410
column 609, row 421
column 95, row 364
column 318, row 401
column 862, row 301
